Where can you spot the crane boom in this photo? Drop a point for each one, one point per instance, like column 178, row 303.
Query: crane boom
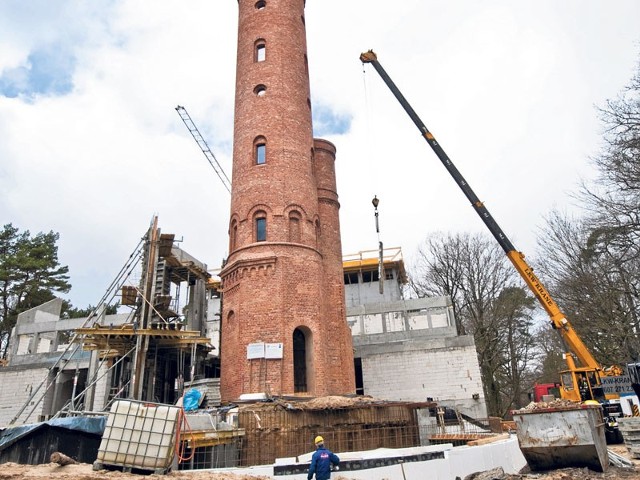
column 573, row 342
column 213, row 161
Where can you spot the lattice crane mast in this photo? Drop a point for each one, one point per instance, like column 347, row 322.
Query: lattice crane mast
column 211, row 158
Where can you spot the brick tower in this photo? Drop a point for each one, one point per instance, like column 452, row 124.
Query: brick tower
column 284, row 328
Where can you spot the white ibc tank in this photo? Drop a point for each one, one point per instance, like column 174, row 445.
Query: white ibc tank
column 139, row 435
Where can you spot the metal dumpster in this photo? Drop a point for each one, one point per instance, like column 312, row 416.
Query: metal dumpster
column 567, row 436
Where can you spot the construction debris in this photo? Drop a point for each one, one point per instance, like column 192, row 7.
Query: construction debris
column 334, row 402
column 61, row 459
column 630, row 429
column 488, row 439
column 557, row 404
column 618, row 460
column 493, row 474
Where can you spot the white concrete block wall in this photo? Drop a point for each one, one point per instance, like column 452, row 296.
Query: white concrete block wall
column 101, row 390
column 17, row 385
column 450, row 376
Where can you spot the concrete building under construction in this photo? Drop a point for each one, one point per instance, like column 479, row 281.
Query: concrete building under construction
column 67, row 365
column 407, row 349
column 404, row 349
column 287, row 319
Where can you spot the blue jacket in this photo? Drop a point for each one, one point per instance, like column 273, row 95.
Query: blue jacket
column 321, row 464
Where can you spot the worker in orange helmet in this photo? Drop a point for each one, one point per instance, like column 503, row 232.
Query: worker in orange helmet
column 321, row 461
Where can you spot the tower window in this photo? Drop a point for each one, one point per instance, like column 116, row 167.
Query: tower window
column 299, row 361
column 260, row 90
column 260, row 5
column 261, row 52
column 261, row 153
column 261, row 229
column 233, row 236
column 294, row 227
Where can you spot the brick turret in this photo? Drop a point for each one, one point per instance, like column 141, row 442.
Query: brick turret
column 282, row 283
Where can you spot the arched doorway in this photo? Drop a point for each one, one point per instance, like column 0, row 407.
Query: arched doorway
column 299, row 361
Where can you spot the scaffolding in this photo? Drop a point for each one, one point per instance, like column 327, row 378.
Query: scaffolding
column 159, row 334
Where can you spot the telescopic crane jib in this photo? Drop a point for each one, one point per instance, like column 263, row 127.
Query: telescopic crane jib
column 573, row 380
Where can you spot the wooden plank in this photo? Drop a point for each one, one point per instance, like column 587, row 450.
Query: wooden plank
column 484, row 441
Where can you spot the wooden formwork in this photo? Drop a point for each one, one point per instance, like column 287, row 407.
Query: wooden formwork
column 285, row 431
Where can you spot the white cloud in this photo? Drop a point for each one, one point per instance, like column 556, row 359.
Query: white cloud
column 507, row 88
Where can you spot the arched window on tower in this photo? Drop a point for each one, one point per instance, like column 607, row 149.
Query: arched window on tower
column 294, row 227
column 260, row 150
column 260, row 226
column 233, row 235
column 260, row 50
column 299, row 361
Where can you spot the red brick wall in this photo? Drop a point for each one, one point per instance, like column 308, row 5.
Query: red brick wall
column 336, row 334
column 294, row 279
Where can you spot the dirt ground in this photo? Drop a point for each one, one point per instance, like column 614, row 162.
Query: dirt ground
column 85, row 471
column 53, row 471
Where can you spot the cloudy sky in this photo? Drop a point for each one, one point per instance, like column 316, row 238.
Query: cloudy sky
column 91, row 146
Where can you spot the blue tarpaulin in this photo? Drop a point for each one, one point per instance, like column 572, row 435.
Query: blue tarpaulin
column 91, row 425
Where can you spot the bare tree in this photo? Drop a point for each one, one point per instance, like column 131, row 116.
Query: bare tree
column 594, row 261
column 550, row 346
column 514, row 308
column 593, row 286
column 438, row 271
column 614, row 197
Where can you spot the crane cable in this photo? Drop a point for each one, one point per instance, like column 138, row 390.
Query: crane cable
column 369, row 134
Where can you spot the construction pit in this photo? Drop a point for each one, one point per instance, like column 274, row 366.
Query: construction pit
column 374, row 440
column 85, row 472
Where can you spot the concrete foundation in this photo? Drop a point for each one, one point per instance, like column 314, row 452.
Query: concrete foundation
column 440, row 462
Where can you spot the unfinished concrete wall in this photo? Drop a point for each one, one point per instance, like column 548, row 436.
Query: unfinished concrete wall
column 212, row 329
column 410, row 351
column 444, row 369
column 364, row 287
column 17, row 385
column 433, row 314
column 101, row 392
column 37, row 341
column 25, row 336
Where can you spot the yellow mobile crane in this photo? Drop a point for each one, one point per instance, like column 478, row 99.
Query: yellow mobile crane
column 583, row 378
